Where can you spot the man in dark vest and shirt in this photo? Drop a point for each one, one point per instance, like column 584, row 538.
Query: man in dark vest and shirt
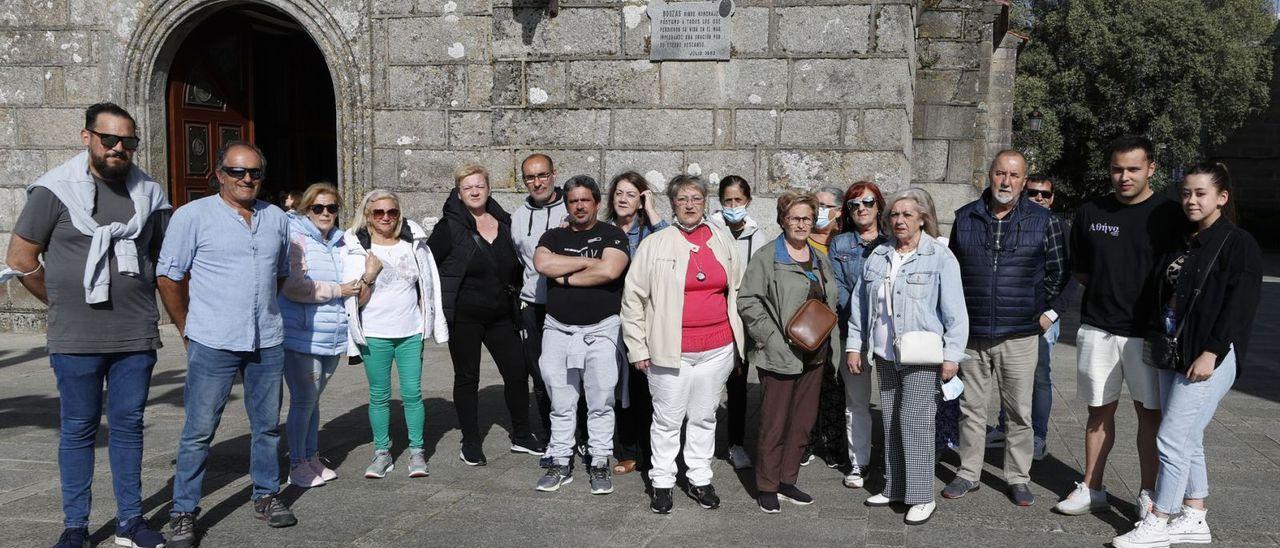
column 1013, row 261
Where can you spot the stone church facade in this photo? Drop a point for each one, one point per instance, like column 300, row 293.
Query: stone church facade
column 816, row 93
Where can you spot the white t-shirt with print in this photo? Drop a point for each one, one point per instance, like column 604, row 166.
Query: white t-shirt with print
column 393, row 311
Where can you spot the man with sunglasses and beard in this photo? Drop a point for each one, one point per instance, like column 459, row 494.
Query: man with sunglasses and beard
column 224, row 258
column 99, row 222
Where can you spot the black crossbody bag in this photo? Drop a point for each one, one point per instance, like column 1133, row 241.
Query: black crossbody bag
column 1166, row 349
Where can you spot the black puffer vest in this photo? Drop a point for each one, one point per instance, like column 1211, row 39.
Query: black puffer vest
column 459, row 227
column 1003, row 280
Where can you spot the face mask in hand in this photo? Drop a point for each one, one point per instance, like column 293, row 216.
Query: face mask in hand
column 824, row 218
column 734, row 214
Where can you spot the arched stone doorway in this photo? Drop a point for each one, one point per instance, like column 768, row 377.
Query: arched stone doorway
column 159, row 53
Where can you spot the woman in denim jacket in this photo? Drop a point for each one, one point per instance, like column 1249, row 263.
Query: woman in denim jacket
column 923, row 278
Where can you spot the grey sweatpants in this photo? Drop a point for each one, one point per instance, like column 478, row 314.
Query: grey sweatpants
column 576, row 359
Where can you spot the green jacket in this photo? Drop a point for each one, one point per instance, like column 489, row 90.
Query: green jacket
column 773, row 288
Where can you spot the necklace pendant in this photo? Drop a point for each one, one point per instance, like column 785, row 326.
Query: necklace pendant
column 701, row 277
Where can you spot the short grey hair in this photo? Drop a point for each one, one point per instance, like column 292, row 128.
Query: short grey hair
column 924, row 205
column 832, row 191
column 226, row 147
column 683, row 181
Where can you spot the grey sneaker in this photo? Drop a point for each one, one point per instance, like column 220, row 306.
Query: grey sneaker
column 381, row 464
column 555, row 477
column 959, row 487
column 268, row 508
column 182, row 531
column 417, row 464
column 601, row 479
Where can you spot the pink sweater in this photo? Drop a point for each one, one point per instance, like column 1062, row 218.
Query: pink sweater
column 705, row 324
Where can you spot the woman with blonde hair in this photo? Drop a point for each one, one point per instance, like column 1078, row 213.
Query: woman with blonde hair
column 398, row 307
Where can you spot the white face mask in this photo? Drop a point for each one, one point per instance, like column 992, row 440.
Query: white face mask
column 824, row 218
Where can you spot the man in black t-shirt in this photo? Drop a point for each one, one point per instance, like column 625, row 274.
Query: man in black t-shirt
column 1115, row 240
column 583, row 264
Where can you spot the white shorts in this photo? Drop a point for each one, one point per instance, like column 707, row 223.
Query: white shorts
column 1106, row 361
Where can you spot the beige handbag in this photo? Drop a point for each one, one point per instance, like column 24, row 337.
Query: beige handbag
column 914, row 347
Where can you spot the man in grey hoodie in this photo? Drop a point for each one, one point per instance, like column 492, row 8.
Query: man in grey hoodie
column 542, row 210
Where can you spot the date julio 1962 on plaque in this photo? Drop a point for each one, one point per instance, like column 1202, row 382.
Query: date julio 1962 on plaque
column 697, row 31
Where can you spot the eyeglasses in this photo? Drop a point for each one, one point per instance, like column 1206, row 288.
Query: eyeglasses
column 388, row 213
column 865, row 202
column 321, row 208
column 237, row 173
column 110, row 141
column 685, row 200
column 1039, row 193
column 537, row 177
column 800, row 221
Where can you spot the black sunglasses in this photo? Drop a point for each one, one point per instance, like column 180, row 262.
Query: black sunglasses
column 110, row 141
column 321, row 208
column 866, row 202
column 1039, row 193
column 238, row 173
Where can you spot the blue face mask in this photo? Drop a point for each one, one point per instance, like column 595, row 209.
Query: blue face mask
column 824, row 218
column 734, row 214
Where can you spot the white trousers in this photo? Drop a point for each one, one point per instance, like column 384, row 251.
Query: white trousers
column 857, row 413
column 691, row 392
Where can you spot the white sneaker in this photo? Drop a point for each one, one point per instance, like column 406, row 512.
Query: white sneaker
column 854, row 479
column 995, row 438
column 1144, row 503
column 1151, row 532
column 1190, row 527
column 321, row 470
column 920, row 513
column 739, row 458
column 301, row 475
column 1082, row 500
column 1041, row 449
column 878, row 500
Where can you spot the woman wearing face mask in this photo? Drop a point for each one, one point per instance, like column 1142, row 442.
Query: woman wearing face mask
column 315, row 324
column 631, row 208
column 399, row 306
column 681, row 327
column 735, row 197
column 863, row 203
column 827, row 440
column 1209, row 290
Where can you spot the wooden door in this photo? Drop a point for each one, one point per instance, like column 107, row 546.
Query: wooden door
column 210, row 103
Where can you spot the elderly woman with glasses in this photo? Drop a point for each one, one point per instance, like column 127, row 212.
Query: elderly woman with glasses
column 398, row 307
column 315, row 323
column 774, row 288
column 910, row 284
column 681, row 326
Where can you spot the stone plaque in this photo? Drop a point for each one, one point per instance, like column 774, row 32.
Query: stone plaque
column 689, row 31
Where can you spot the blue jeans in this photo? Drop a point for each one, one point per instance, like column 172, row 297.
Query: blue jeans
column 1188, row 408
column 210, row 374
column 306, row 375
column 1042, row 394
column 80, row 378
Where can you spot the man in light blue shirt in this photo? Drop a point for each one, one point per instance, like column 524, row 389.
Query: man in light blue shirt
column 219, row 269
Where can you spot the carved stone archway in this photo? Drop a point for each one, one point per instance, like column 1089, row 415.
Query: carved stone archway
column 165, row 24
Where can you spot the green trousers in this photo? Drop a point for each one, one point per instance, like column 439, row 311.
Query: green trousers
column 406, row 352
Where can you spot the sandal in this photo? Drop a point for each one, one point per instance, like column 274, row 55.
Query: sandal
column 624, row 467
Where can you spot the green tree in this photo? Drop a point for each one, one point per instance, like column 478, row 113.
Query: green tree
column 1185, row 73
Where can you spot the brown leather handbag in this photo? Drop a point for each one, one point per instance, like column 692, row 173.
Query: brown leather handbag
column 811, row 325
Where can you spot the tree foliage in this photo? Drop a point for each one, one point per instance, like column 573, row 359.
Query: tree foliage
column 1185, row 73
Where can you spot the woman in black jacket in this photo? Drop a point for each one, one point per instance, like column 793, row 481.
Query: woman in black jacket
column 479, row 276
column 1209, row 291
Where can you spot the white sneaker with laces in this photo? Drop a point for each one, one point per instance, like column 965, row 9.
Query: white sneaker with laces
column 1151, row 532
column 855, row 478
column 1144, row 503
column 1190, row 527
column 301, row 475
column 920, row 513
column 1041, row 449
column 878, row 500
column 739, row 458
column 321, row 470
column 1082, row 500
column 995, row 438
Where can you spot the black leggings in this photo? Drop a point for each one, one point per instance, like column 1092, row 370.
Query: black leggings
column 634, row 422
column 503, row 342
column 737, row 404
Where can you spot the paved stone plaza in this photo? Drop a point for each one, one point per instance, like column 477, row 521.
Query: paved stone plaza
column 496, row 504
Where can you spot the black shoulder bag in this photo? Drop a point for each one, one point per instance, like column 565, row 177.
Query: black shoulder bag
column 1166, row 349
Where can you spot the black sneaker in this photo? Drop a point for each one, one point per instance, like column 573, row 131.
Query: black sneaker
column 794, row 495
column 768, row 502
column 275, row 513
column 661, row 503
column 528, row 444
column 73, row 537
column 601, row 479
column 472, row 455
column 705, row 495
column 182, row 531
column 136, row 533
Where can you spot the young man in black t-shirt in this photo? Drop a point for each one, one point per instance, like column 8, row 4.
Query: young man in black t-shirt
column 1115, row 240
column 583, row 264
